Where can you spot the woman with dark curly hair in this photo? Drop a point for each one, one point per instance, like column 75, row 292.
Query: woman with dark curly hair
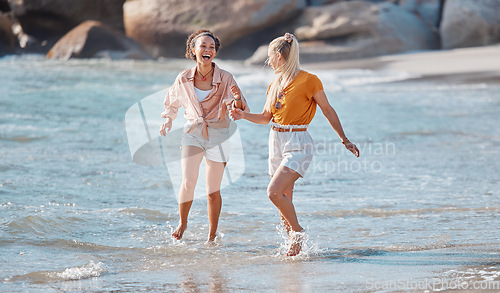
column 205, row 92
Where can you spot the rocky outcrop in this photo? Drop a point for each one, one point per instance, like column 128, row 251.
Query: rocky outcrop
column 92, row 39
column 162, row 26
column 358, row 29
column 468, row 23
column 48, row 20
column 427, row 10
column 327, row 29
column 7, row 38
column 337, row 20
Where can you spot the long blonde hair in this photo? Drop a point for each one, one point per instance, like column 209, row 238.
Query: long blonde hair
column 288, row 47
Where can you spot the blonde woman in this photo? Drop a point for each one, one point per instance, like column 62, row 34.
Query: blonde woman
column 291, row 104
column 205, row 93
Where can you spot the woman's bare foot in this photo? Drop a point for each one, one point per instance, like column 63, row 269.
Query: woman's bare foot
column 211, row 240
column 179, row 231
column 294, row 249
column 210, row 243
column 296, row 246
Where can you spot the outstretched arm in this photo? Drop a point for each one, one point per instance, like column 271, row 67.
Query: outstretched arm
column 238, row 113
column 333, row 118
column 262, row 118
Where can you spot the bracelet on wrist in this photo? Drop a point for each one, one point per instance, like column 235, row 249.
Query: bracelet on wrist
column 346, row 142
column 237, row 99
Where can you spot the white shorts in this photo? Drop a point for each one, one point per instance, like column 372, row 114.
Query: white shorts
column 290, row 149
column 216, row 148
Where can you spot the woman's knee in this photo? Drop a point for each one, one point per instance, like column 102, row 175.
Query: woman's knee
column 188, row 185
column 273, row 193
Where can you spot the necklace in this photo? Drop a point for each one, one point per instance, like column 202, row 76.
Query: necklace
column 204, row 77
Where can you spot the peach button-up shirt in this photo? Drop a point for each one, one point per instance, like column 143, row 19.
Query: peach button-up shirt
column 212, row 111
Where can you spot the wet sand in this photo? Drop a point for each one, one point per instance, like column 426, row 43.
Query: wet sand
column 465, row 65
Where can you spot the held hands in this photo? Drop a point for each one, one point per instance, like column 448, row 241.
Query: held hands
column 236, row 114
column 237, row 103
column 236, row 93
column 166, row 127
column 351, row 147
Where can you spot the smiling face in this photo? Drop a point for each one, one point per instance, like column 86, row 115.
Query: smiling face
column 204, row 50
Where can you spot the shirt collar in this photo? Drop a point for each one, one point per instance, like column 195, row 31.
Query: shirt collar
column 217, row 74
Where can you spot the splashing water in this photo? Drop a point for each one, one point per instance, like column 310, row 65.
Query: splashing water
column 86, row 271
column 308, row 246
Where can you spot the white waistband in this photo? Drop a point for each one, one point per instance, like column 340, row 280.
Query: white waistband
column 288, row 126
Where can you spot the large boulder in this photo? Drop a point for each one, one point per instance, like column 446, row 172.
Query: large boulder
column 7, row 38
column 48, row 20
column 427, row 10
column 92, row 39
column 336, row 20
column 162, row 26
column 468, row 23
column 358, row 29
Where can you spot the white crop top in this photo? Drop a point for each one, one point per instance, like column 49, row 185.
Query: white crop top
column 200, row 94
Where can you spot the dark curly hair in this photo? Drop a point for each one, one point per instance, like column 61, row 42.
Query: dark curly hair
column 191, row 42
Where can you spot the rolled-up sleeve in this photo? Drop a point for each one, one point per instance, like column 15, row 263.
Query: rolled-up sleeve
column 171, row 102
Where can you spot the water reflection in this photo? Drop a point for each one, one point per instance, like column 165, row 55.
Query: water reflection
column 292, row 278
column 212, row 281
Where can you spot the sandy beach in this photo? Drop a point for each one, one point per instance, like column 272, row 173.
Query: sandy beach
column 466, row 65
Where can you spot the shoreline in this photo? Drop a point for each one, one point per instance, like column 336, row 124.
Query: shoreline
column 465, row 65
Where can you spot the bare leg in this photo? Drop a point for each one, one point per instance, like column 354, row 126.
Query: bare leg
column 283, row 179
column 190, row 162
column 215, row 171
column 288, row 193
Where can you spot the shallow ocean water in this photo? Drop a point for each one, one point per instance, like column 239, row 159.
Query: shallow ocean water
column 419, row 210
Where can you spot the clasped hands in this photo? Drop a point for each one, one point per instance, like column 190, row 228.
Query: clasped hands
column 235, row 112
